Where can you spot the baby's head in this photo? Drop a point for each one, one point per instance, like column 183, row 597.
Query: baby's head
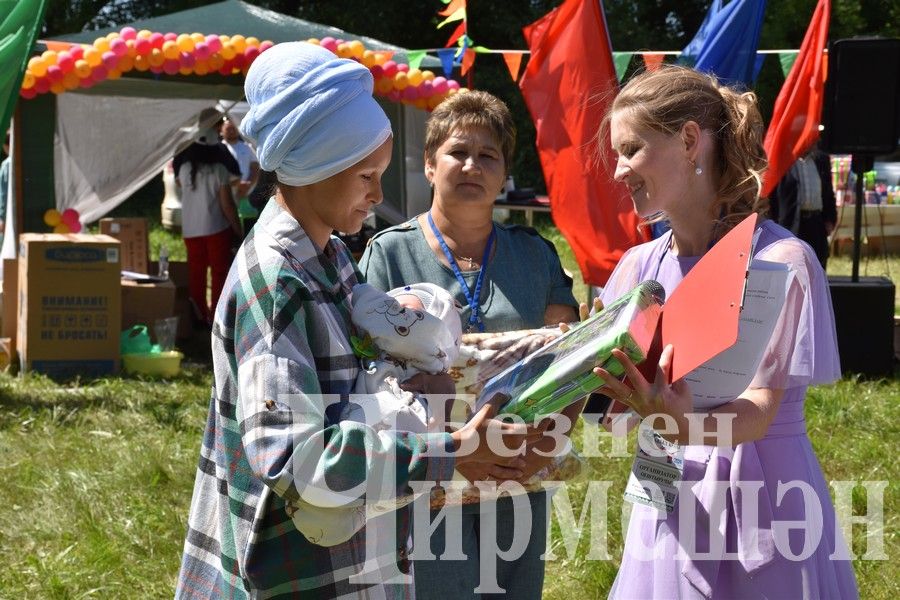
column 416, row 323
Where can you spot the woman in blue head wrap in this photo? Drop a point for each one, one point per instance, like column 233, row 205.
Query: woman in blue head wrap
column 284, row 365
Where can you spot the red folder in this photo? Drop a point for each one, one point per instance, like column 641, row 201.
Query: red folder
column 701, row 317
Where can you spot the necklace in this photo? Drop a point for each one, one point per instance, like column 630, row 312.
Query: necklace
column 470, row 262
column 473, row 296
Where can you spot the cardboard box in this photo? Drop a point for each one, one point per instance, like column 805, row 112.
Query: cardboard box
column 132, row 233
column 144, row 303
column 69, row 301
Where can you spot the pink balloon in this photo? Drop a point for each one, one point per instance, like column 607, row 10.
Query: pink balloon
column 170, row 37
column 156, row 40
column 171, row 67
column 76, row 52
column 128, row 33
column 86, row 82
column 42, row 85
column 118, row 47
column 214, row 43
column 186, row 60
column 75, row 227
column 390, row 68
column 251, row 53
column 201, row 51
column 143, row 46
column 403, row 67
column 54, row 73
column 99, row 73
column 110, row 60
column 410, row 93
column 65, row 62
column 439, row 85
column 329, row 43
column 265, row 46
column 452, row 84
column 69, row 216
column 426, row 89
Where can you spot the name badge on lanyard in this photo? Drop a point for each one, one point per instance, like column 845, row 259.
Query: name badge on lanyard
column 657, row 469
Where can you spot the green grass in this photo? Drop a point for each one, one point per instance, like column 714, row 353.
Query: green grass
column 97, row 480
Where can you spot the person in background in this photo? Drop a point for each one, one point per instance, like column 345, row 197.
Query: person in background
column 803, row 202
column 692, row 149
column 284, row 365
column 204, row 172
column 245, row 156
column 506, row 278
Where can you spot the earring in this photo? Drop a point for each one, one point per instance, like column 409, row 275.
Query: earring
column 697, row 169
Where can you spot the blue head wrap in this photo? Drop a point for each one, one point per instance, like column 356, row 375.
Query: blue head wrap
column 312, row 114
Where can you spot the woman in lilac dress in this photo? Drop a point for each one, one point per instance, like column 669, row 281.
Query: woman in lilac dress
column 689, row 150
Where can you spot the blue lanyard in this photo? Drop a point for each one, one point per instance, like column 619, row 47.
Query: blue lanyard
column 472, row 297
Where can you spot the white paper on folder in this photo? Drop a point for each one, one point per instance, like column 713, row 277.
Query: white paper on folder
column 727, row 374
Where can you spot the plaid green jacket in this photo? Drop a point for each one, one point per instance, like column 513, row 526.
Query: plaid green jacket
column 283, row 369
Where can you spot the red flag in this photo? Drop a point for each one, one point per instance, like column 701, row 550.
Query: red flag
column 798, row 108
column 568, row 85
column 513, row 62
column 652, row 62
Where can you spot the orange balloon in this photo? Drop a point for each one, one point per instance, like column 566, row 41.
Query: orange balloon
column 228, row 51
column 170, row 50
column 101, row 44
column 52, row 217
column 61, row 228
column 57, row 88
column 239, row 43
column 141, row 63
column 156, row 58
column 184, row 42
column 37, row 66
column 198, row 37
column 414, row 76
column 93, row 57
column 28, row 80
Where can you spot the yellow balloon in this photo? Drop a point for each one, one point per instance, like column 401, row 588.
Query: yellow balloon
column 401, row 81
column 184, row 43
column 228, row 51
column 156, row 58
column 344, row 51
column 52, row 217
column 198, row 37
column 239, row 42
column 50, row 57
column 170, row 50
column 112, row 35
column 28, row 80
column 101, row 44
column 415, row 77
column 356, row 49
column 37, row 66
column 144, row 33
column 61, row 228
column 93, row 57
column 314, row 41
column 252, row 41
column 82, row 68
column 427, row 75
column 368, row 58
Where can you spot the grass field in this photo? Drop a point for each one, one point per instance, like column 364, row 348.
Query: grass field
column 97, row 480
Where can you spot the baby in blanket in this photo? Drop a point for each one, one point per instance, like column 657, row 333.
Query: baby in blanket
column 408, row 330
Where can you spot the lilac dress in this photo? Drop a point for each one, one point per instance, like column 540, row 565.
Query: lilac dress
column 754, row 559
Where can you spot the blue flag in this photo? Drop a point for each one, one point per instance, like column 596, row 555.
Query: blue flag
column 447, row 56
column 726, row 43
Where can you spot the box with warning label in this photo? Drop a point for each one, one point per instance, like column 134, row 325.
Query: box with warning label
column 70, row 304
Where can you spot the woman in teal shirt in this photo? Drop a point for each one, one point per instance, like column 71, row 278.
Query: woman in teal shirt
column 505, row 277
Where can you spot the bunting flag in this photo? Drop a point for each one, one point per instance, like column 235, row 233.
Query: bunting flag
column 622, row 60
column 415, row 58
column 19, row 24
column 459, row 32
column 798, row 108
column 787, row 60
column 727, row 41
column 567, row 91
column 513, row 62
column 468, row 60
column 652, row 61
column 447, row 56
